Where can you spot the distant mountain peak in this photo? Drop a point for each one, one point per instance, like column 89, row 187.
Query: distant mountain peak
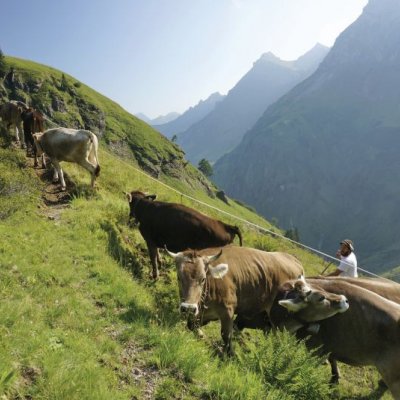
column 268, row 57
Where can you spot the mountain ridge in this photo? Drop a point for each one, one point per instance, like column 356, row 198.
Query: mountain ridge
column 222, row 129
column 191, row 116
column 322, row 158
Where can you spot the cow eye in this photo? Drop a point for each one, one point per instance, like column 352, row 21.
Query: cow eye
column 322, row 298
column 203, row 280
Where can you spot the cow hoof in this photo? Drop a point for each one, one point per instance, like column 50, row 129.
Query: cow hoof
column 334, row 380
column 199, row 333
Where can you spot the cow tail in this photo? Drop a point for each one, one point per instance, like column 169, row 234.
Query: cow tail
column 239, row 234
column 94, row 150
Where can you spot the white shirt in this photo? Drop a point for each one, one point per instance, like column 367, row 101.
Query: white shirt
column 348, row 265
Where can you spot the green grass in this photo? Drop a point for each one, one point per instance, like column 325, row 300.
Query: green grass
column 78, row 299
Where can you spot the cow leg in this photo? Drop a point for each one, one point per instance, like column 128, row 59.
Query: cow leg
column 388, row 367
column 58, row 172
column 158, row 258
column 227, row 331
column 153, row 258
column 16, row 132
column 91, row 168
column 21, row 132
column 335, row 374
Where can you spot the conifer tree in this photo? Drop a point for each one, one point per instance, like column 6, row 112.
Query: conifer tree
column 205, row 167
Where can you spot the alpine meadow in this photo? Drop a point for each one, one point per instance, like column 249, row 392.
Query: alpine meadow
column 98, row 285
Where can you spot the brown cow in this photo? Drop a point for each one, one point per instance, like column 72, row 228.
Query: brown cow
column 33, row 122
column 176, row 226
column 367, row 334
column 10, row 113
column 388, row 289
column 245, row 282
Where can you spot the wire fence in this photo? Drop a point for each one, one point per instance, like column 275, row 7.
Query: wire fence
column 242, row 220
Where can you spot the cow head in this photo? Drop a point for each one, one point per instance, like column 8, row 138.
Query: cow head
column 312, row 304
column 193, row 272
column 135, row 197
column 36, row 138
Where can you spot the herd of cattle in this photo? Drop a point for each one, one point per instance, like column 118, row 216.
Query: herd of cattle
column 352, row 320
column 58, row 144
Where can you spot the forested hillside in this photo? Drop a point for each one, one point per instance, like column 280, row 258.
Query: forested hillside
column 324, row 157
column 79, row 316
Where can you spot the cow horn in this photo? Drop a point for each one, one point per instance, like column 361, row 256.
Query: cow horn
column 173, row 255
column 128, row 196
column 213, row 258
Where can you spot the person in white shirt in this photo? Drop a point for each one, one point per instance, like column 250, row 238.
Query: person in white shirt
column 348, row 260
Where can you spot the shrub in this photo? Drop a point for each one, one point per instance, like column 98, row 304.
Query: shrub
column 286, row 365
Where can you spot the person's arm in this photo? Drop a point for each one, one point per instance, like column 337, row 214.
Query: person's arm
column 335, row 273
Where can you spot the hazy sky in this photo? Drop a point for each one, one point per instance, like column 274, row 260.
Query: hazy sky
column 157, row 56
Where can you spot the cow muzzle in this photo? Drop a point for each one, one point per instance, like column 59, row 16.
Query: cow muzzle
column 343, row 304
column 189, row 308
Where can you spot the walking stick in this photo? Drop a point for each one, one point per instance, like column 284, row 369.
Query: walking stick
column 329, row 264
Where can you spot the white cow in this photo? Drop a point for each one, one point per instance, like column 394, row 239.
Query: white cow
column 72, row 145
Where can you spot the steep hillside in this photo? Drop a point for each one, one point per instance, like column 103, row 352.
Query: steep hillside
column 189, row 117
column 324, row 157
column 80, row 319
column 223, row 128
column 68, row 102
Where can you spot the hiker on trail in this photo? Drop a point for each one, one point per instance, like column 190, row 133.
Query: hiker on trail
column 348, row 260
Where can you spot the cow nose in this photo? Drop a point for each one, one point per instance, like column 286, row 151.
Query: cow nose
column 189, row 308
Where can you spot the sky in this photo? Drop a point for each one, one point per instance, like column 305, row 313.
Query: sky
column 159, row 56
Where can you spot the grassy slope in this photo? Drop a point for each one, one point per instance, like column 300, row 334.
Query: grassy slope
column 79, row 321
column 79, row 317
column 81, row 106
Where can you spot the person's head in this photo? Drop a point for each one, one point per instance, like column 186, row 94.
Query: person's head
column 346, row 247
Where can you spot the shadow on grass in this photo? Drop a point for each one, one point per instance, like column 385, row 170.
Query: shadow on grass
column 120, row 251
column 135, row 312
column 376, row 394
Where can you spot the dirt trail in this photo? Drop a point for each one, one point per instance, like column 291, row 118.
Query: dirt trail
column 54, row 200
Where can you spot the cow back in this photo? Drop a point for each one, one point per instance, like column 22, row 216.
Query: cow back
column 179, row 227
column 253, row 278
column 66, row 144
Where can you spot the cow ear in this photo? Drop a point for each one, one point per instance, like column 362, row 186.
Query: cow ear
column 301, row 278
column 171, row 254
column 287, row 286
column 128, row 196
column 151, row 197
column 290, row 305
column 219, row 271
column 209, row 259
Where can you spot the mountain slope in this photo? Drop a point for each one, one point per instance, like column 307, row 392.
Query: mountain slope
column 68, row 102
column 324, row 157
column 79, row 318
column 223, row 128
column 190, row 116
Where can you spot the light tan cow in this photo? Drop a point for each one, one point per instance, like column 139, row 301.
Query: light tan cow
column 217, row 284
column 368, row 333
column 71, row 145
